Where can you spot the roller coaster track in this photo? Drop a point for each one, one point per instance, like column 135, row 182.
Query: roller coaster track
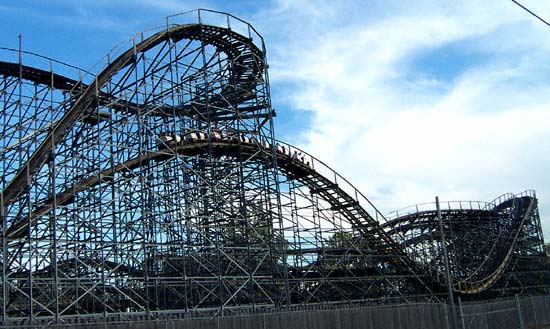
column 377, row 236
column 522, row 213
column 62, row 83
column 329, row 190
column 246, row 71
column 38, row 76
column 340, row 200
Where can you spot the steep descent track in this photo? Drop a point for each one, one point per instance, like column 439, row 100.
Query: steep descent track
column 521, row 210
column 73, row 87
column 341, row 195
column 483, row 237
column 339, row 199
column 517, row 209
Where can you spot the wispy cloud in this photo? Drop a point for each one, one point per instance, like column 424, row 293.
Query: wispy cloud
column 403, row 132
column 405, row 99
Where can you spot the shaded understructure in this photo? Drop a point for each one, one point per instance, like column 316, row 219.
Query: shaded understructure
column 156, row 188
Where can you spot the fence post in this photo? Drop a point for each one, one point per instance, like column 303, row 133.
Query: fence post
column 534, row 311
column 520, row 317
column 460, row 313
column 448, row 280
column 445, row 307
column 486, row 315
column 371, row 321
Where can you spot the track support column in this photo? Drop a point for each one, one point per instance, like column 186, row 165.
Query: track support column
column 448, row 282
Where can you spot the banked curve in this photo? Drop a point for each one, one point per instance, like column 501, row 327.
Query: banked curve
column 520, row 208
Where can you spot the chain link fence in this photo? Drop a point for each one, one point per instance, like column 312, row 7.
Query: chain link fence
column 522, row 313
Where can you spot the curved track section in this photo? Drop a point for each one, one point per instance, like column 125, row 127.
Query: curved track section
column 246, row 68
column 482, row 238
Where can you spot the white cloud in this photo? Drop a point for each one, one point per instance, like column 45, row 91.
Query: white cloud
column 398, row 131
column 401, row 134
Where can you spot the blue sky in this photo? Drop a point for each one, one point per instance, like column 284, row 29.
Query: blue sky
column 406, row 99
